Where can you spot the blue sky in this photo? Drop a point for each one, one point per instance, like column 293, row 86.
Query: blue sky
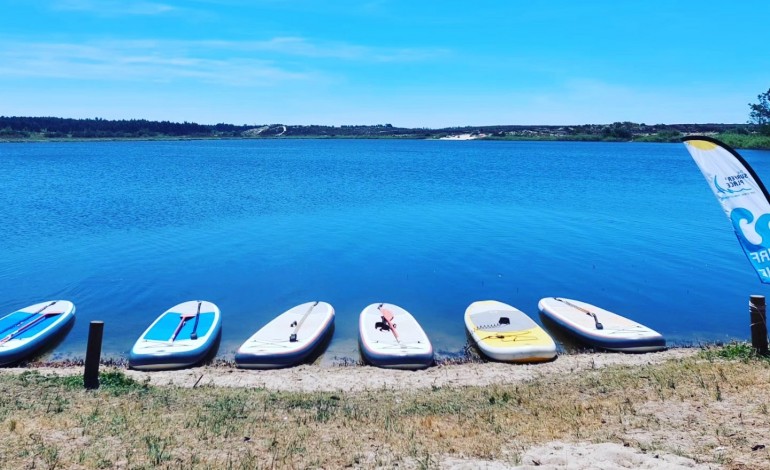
column 407, row 63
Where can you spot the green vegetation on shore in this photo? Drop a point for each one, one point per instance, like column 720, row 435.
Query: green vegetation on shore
column 33, row 129
column 703, row 407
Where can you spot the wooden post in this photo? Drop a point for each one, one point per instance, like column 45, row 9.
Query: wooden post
column 758, row 323
column 93, row 355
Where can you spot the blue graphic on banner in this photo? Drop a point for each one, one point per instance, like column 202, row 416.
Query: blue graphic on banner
column 733, row 182
column 758, row 254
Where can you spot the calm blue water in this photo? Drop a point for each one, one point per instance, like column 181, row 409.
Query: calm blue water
column 128, row 229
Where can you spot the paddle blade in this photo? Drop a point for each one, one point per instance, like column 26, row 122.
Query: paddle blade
column 388, row 316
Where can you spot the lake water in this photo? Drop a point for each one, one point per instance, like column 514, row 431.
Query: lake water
column 128, row 229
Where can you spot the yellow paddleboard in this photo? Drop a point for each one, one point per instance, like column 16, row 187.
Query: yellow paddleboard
column 504, row 333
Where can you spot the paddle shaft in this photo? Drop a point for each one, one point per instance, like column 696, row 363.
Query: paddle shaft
column 598, row 325
column 28, row 317
column 182, row 321
column 293, row 336
column 194, row 334
column 28, row 326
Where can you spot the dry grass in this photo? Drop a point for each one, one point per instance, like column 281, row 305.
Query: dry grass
column 707, row 409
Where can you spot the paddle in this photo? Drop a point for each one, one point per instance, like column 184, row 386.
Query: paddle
column 27, row 318
column 194, row 334
column 29, row 325
column 183, row 317
column 293, row 336
column 387, row 316
column 599, row 326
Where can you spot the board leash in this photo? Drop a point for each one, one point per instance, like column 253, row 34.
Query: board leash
column 512, row 337
column 599, row 326
column 297, row 326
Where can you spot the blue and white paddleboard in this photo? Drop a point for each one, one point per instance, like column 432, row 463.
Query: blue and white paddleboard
column 32, row 328
column 182, row 336
column 390, row 337
column 289, row 339
column 601, row 328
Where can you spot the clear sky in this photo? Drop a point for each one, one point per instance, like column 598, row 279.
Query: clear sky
column 408, row 63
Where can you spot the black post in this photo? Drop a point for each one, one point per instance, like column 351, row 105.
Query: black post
column 758, row 323
column 93, row 354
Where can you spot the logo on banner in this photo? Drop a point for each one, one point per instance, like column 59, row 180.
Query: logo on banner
column 732, row 185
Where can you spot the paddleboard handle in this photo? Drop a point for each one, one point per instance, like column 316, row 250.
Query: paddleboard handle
column 504, row 321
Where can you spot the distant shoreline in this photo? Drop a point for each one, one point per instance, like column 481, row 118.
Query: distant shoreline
column 734, row 140
column 51, row 129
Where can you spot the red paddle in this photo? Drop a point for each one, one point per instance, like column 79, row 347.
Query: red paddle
column 183, row 317
column 29, row 325
column 388, row 316
column 27, row 318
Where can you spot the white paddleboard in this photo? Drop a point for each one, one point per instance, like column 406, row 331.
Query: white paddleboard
column 289, row 338
column 390, row 337
column 601, row 328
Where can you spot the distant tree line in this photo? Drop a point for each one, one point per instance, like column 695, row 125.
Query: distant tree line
column 52, row 127
column 42, row 128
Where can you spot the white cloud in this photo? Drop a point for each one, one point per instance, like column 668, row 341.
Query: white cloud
column 137, row 61
column 248, row 63
column 114, row 7
column 302, row 47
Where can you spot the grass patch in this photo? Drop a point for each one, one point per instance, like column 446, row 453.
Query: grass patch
column 734, row 351
column 691, row 406
column 746, row 141
column 114, row 382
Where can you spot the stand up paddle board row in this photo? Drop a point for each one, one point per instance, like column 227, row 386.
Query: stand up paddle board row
column 389, row 336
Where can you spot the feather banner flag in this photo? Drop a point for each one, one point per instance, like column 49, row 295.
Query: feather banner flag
column 742, row 195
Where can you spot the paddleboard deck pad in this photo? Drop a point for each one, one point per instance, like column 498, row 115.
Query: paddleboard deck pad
column 289, row 339
column 504, row 333
column 30, row 329
column 390, row 337
column 182, row 336
column 600, row 328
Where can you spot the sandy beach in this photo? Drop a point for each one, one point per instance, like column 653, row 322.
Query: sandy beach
column 313, row 378
column 357, row 378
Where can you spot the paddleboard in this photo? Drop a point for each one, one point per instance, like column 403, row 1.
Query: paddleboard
column 182, row 336
column 504, row 333
column 289, row 339
column 601, row 328
column 389, row 336
column 32, row 328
